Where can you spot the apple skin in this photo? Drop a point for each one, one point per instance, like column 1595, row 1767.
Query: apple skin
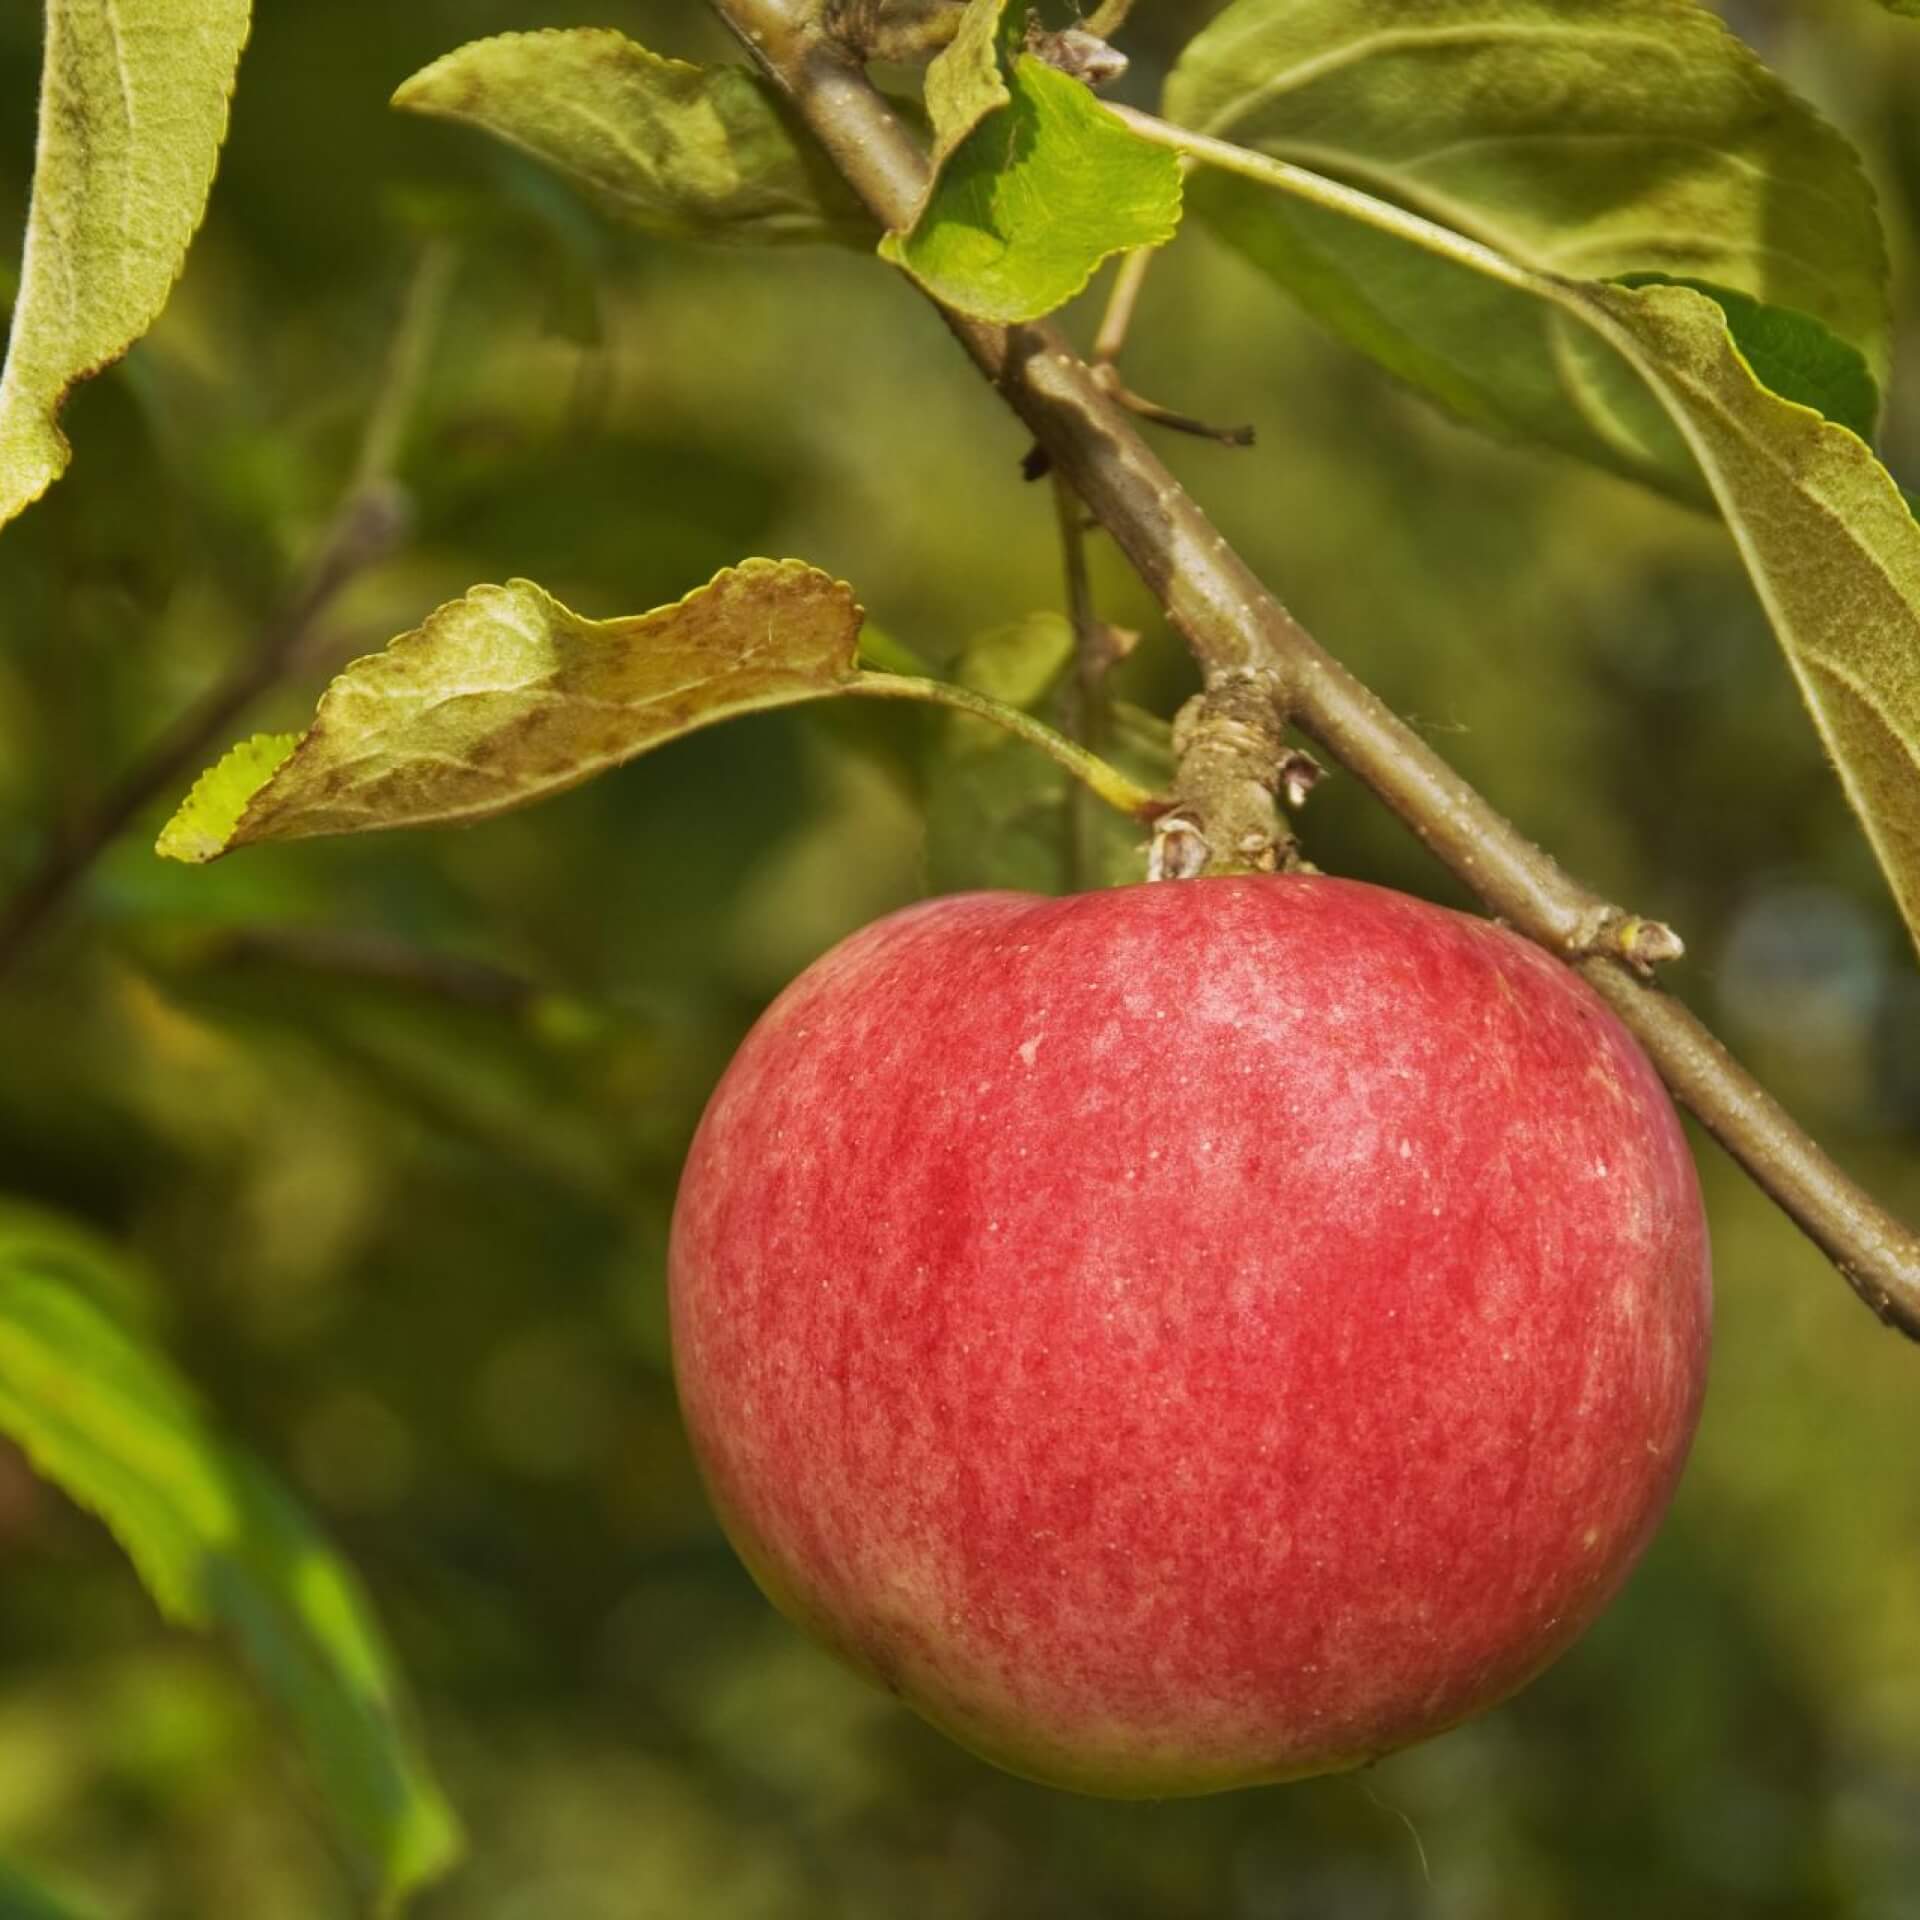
column 1194, row 1334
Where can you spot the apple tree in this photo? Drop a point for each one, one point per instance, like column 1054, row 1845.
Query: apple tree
column 1180, row 1317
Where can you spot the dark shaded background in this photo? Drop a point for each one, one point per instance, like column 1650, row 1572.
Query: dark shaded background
column 393, row 1125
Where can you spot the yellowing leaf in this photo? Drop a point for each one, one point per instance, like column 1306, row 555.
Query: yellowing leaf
column 1830, row 544
column 702, row 153
column 133, row 107
column 1792, row 353
column 965, row 83
column 505, row 696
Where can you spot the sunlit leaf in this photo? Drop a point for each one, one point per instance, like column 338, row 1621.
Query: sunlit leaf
column 133, row 107
column 505, row 696
column 1036, row 185
column 702, row 153
column 220, row 1546
column 62, row 1248
column 205, row 823
column 1582, row 138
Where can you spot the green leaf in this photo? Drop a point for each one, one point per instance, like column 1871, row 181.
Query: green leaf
column 220, row 1546
column 1829, row 541
column 1037, row 182
column 1589, row 139
column 701, row 153
column 505, row 696
column 1791, row 353
column 63, row 1249
column 133, row 107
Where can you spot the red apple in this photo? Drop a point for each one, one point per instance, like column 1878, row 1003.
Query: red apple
column 1192, row 1334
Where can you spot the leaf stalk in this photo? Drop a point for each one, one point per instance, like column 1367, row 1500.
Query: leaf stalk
column 1100, row 777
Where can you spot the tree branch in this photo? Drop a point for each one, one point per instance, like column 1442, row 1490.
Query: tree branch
column 375, row 960
column 366, row 528
column 367, row 524
column 1238, row 630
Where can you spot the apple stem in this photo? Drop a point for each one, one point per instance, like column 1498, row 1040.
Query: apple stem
column 1233, row 759
column 1234, row 623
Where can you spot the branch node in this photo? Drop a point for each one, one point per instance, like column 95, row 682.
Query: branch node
column 1612, row 933
column 1233, row 762
column 1076, row 52
column 906, row 32
column 1300, row 773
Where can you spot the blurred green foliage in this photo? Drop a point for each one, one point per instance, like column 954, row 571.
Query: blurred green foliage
column 393, row 1125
